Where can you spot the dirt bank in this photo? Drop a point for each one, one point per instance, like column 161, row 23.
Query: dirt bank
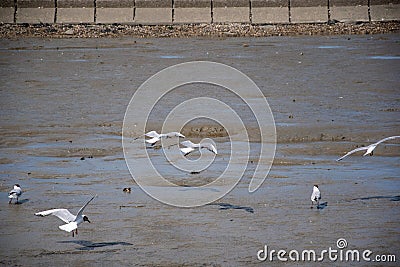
column 192, row 30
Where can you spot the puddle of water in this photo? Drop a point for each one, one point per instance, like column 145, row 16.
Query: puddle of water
column 331, row 47
column 171, row 56
column 384, row 57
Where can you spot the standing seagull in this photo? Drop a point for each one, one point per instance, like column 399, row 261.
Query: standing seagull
column 370, row 148
column 190, row 147
column 156, row 137
column 315, row 196
column 71, row 220
column 15, row 193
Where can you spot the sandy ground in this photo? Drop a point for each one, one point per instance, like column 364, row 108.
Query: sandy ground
column 62, row 106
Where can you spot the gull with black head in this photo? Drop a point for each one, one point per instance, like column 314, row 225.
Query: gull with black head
column 72, row 221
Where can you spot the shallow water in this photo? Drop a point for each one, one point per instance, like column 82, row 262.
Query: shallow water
column 62, row 106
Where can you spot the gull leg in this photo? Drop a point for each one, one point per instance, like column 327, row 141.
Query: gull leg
column 312, row 203
column 9, row 202
column 72, row 233
column 16, row 201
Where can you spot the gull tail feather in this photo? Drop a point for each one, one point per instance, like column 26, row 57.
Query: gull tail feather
column 69, row 226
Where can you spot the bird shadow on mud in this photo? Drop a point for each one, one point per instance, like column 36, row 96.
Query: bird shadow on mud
column 89, row 245
column 227, row 206
column 322, row 206
column 22, row 201
column 391, row 198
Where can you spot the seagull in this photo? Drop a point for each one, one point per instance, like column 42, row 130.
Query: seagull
column 156, row 137
column 370, row 148
column 190, row 147
column 15, row 193
column 66, row 216
column 315, row 196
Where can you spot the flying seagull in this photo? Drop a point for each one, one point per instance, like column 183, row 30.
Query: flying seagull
column 315, row 196
column 15, row 193
column 156, row 137
column 190, row 147
column 71, row 220
column 370, row 148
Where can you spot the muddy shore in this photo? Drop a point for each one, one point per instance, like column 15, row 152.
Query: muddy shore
column 62, row 104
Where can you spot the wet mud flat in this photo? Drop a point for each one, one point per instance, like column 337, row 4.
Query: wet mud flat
column 62, row 106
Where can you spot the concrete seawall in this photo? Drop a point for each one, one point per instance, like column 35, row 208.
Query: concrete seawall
column 150, row 12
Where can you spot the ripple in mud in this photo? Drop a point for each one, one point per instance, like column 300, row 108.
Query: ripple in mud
column 5, row 161
column 71, row 152
column 391, row 198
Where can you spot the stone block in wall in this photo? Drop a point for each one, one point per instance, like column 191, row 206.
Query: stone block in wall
column 270, row 11
column 192, row 11
column 114, row 11
column 75, row 11
column 7, row 11
column 385, row 10
column 308, row 11
column 153, row 11
column 35, row 11
column 349, row 10
column 225, row 11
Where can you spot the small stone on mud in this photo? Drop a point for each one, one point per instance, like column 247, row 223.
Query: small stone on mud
column 127, row 190
column 69, row 32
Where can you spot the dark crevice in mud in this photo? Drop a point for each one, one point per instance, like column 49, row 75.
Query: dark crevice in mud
column 226, row 206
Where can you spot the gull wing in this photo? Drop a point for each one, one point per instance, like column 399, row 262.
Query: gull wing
column 210, row 147
column 152, row 134
column 14, row 193
column 387, row 138
column 84, row 206
column 69, row 226
column 353, row 151
column 313, row 196
column 188, row 144
column 316, row 195
column 186, row 150
column 153, row 140
column 174, row 134
column 63, row 214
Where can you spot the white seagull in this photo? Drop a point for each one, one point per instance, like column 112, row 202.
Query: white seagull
column 71, row 220
column 370, row 148
column 156, row 137
column 15, row 193
column 190, row 147
column 315, row 196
